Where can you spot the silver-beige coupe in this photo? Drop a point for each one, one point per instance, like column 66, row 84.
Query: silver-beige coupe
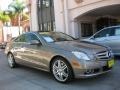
column 60, row 54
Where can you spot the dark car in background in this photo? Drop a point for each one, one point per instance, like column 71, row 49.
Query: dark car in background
column 3, row 45
column 59, row 54
column 109, row 36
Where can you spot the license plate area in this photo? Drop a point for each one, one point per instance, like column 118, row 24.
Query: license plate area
column 111, row 63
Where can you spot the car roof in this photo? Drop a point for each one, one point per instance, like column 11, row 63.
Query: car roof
column 45, row 32
column 112, row 26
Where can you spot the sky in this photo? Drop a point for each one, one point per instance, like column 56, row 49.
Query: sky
column 4, row 4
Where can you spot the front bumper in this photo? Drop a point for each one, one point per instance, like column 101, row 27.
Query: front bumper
column 92, row 68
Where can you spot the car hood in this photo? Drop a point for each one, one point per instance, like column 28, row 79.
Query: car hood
column 88, row 40
column 76, row 45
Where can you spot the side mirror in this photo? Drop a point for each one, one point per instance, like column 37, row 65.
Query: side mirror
column 77, row 38
column 35, row 42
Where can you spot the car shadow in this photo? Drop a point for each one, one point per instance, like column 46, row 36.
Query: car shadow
column 46, row 80
column 46, row 76
column 34, row 71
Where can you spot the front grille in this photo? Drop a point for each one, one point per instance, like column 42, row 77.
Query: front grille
column 103, row 55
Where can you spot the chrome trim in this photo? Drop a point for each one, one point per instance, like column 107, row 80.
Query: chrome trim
column 103, row 55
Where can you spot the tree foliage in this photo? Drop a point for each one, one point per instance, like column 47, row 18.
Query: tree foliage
column 16, row 11
column 3, row 17
column 17, row 6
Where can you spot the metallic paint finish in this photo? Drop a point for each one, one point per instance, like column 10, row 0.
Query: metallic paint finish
column 40, row 56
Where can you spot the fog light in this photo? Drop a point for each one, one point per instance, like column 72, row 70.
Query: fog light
column 90, row 71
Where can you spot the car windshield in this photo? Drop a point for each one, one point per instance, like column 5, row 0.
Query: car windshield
column 55, row 37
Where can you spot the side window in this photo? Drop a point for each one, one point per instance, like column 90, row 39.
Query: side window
column 103, row 33
column 17, row 39
column 21, row 38
column 117, row 32
column 32, row 37
column 112, row 32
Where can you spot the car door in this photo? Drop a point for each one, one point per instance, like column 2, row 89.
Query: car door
column 35, row 54
column 18, row 48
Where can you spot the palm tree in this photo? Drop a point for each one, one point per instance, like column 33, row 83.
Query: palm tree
column 4, row 18
column 17, row 8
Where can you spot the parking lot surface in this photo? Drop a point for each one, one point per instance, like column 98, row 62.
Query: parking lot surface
column 25, row 78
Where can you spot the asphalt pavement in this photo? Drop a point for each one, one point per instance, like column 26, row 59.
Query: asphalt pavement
column 25, row 78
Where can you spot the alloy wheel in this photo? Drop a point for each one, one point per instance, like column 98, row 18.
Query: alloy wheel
column 11, row 61
column 61, row 70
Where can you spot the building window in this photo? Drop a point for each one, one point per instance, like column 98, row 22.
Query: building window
column 87, row 29
column 46, row 16
column 105, row 22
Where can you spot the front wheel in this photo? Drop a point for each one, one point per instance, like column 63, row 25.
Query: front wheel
column 11, row 60
column 61, row 70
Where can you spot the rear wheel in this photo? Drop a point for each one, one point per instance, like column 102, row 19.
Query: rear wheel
column 11, row 60
column 61, row 70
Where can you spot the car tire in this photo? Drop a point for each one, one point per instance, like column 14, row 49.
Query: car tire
column 11, row 60
column 61, row 70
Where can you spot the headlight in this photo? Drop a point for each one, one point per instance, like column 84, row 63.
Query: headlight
column 81, row 55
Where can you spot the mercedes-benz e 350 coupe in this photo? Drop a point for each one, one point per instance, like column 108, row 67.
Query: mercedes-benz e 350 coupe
column 59, row 54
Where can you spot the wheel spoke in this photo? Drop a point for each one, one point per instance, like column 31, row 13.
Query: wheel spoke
column 59, row 63
column 10, row 57
column 64, row 67
column 56, row 73
column 65, row 74
column 61, row 76
column 55, row 67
